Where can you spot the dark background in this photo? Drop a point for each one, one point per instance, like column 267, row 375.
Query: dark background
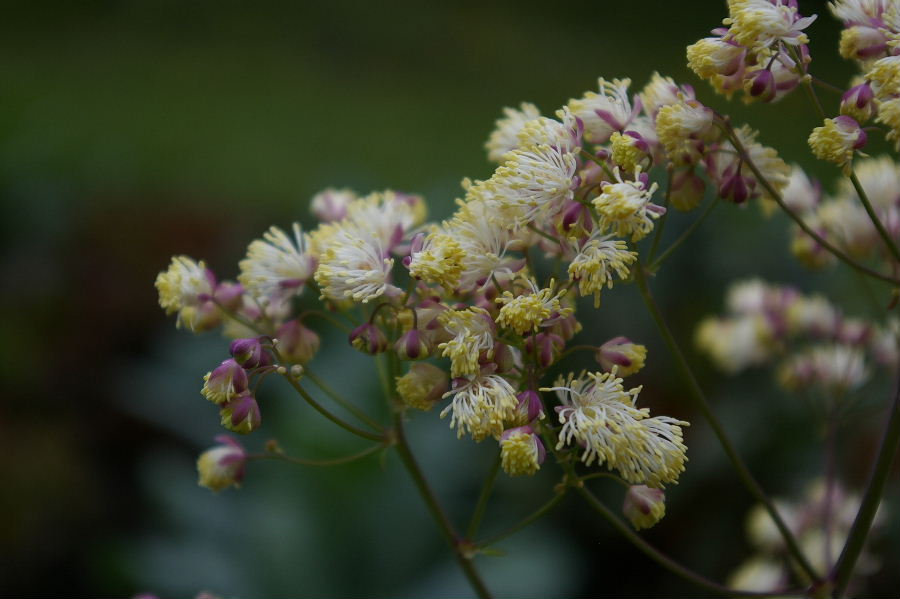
column 131, row 131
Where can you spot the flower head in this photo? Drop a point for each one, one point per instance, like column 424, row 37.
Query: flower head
column 226, row 382
column 604, row 112
column 525, row 312
column 422, row 386
column 473, row 332
column 596, row 263
column 644, row 506
column 186, row 284
column 758, row 24
column 505, row 136
column 439, row 260
column 277, row 265
column 837, row 140
column 623, row 354
column 480, row 406
column 600, row 416
column 625, row 207
column 521, row 451
column 331, row 204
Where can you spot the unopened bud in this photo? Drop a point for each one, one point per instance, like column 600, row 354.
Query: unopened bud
column 761, row 85
column 241, row 414
column 576, row 220
column 621, row 353
column 228, row 380
column 547, row 346
column 230, row 295
column 201, row 317
column 331, row 204
column 249, row 352
column 735, row 188
column 530, row 407
column 296, row 342
column 223, row 465
column 368, row 339
column 859, row 102
column 412, row 345
column 644, row 506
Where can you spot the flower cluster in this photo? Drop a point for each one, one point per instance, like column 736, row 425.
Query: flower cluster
column 817, row 346
column 820, row 521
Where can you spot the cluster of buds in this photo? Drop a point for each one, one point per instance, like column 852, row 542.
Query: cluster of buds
column 820, row 521
column 762, row 50
column 817, row 345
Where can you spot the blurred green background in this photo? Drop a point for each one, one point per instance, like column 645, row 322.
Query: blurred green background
column 131, row 131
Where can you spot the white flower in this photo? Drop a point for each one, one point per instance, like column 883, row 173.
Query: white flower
column 597, row 261
column 473, row 332
column 625, row 207
column 354, row 265
column 480, row 406
column 603, row 113
column 484, row 240
column 801, row 194
column 331, row 204
column 277, row 265
column 758, row 24
column 735, row 343
column 599, row 415
column 505, row 136
column 185, row 283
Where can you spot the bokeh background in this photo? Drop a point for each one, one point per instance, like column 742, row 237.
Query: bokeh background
column 131, row 131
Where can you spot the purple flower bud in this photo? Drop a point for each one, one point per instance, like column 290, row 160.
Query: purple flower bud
column 687, row 190
column 547, row 345
column 761, row 85
column 228, row 380
column 223, row 465
column 368, row 339
column 735, row 188
column 201, row 317
column 859, row 102
column 249, row 352
column 530, row 405
column 412, row 345
column 620, row 352
column 576, row 219
column 230, row 295
column 503, row 357
column 241, row 414
column 296, row 342
column 521, row 451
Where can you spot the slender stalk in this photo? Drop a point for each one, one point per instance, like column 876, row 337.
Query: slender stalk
column 527, row 520
column 341, row 401
column 664, row 560
column 856, row 539
column 325, row 316
column 700, row 401
column 483, row 497
column 609, row 475
column 534, row 229
column 440, row 516
column 335, row 419
column 308, row 462
column 687, row 233
column 661, row 225
column 811, row 92
column 885, row 236
column 773, row 193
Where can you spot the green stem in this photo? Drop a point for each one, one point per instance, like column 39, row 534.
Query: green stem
column 342, row 402
column 335, row 419
column 870, row 501
column 885, row 236
column 700, row 400
column 534, row 229
column 325, row 316
column 481, row 506
column 532, row 517
column 437, row 512
column 657, row 236
column 308, row 462
column 610, row 475
column 687, row 233
column 773, row 193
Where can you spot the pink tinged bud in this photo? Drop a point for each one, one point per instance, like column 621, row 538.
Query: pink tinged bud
column 200, row 318
column 241, row 414
column 227, row 381
column 850, row 125
column 230, row 295
column 576, row 218
column 412, row 345
column 735, row 188
column 859, row 102
column 644, row 506
column 296, row 342
column 249, row 352
column 547, row 346
column 504, row 357
column 521, row 451
column 762, row 85
column 530, row 405
column 368, row 339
